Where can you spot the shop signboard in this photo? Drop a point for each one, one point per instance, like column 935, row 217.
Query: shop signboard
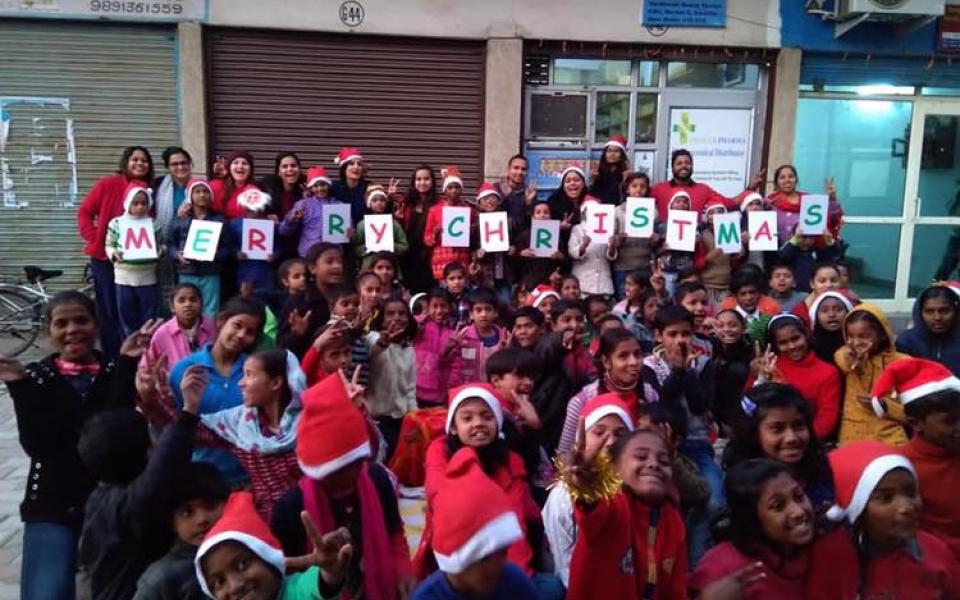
column 684, row 13
column 121, row 10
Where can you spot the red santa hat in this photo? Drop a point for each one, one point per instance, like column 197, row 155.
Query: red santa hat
column 317, row 175
column 134, row 188
column 911, row 379
column 240, row 523
column 857, row 469
column 953, row 286
column 750, row 199
column 472, row 517
column 332, row 432
column 605, row 405
column 194, row 183
column 714, row 204
column 573, row 168
column 450, row 175
column 487, row 189
column 254, row 200
column 675, row 196
column 471, row 391
column 375, row 190
column 617, row 141
column 347, row 154
column 541, row 293
column 819, row 300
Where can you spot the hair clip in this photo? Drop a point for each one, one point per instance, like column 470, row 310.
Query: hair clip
column 748, row 406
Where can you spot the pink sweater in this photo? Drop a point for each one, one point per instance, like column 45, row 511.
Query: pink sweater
column 170, row 341
column 470, row 360
column 433, row 371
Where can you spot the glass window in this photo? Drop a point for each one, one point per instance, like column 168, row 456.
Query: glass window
column 860, row 143
column 576, row 71
column 936, row 249
column 649, row 73
column 557, row 115
column 646, row 118
column 940, row 91
column 940, row 167
column 712, row 75
column 613, row 115
column 873, row 273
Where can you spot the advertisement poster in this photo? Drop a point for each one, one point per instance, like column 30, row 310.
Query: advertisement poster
column 950, row 30
column 719, row 139
column 546, row 166
column 684, row 13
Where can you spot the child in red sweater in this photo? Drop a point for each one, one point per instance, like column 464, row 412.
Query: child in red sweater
column 631, row 543
column 884, row 555
column 771, row 526
column 794, row 362
column 934, row 414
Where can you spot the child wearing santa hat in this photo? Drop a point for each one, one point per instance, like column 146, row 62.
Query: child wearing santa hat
column 259, row 274
column 305, row 220
column 239, row 556
column 340, row 487
column 475, row 420
column 930, row 395
column 378, row 203
column 711, row 262
column 495, row 272
column 433, row 231
column 474, row 526
column 884, row 554
column 135, row 279
column 351, row 184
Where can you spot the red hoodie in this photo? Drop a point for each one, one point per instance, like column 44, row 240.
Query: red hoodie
column 612, row 555
column 820, row 384
column 938, row 474
column 103, row 203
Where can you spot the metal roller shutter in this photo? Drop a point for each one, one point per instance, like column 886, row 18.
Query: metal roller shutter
column 73, row 95
column 402, row 101
column 820, row 69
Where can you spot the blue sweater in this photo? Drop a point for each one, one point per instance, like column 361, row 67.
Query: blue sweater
column 513, row 585
column 221, row 393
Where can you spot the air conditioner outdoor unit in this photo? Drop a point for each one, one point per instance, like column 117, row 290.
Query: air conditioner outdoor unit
column 885, row 9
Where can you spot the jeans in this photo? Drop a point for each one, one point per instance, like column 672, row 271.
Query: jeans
column 209, row 291
column 548, row 586
column 619, row 284
column 699, row 521
column 49, row 561
column 136, row 305
column 106, row 292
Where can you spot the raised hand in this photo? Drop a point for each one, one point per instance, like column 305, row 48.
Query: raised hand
column 567, row 222
column 393, row 187
column 192, row 385
column 758, row 179
column 299, row 324
column 735, row 586
column 830, row 186
column 355, row 391
column 331, row 552
column 11, row 369
column 138, row 341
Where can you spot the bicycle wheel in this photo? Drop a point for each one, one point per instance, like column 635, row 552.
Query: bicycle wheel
column 20, row 321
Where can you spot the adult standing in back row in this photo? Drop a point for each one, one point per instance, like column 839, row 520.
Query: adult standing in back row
column 681, row 165
column 103, row 203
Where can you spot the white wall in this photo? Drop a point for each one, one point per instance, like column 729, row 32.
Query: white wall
column 754, row 23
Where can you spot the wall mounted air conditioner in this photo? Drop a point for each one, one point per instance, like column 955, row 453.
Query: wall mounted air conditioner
column 889, row 8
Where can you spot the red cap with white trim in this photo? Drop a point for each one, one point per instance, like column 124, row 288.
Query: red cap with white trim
column 332, row 432
column 911, row 379
column 857, row 469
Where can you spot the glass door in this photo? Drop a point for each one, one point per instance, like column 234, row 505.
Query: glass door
column 930, row 245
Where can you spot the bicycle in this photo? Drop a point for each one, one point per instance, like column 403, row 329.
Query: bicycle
column 22, row 305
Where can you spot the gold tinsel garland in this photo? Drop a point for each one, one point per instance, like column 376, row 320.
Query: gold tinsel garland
column 598, row 481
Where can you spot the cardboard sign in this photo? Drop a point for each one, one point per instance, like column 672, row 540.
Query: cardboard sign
column 762, row 226
column 257, row 242
column 682, row 230
column 599, row 222
column 813, row 214
column 494, row 232
column 544, row 237
column 726, row 232
column 335, row 223
column 378, row 233
column 202, row 240
column 138, row 240
column 639, row 217
column 456, row 227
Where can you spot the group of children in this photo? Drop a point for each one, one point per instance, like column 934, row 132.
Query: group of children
column 748, row 437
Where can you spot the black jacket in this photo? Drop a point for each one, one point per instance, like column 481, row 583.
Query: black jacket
column 127, row 527
column 50, row 415
column 314, row 302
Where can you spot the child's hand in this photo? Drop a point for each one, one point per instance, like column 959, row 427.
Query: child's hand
column 246, row 289
column 767, row 365
column 473, row 269
column 584, row 243
column 138, row 341
column 330, row 334
column 830, row 186
column 331, row 552
column 527, row 253
column 118, row 256
column 567, row 222
column 299, row 323
column 297, row 214
column 241, row 256
column 273, row 218
column 557, row 255
column 355, row 391
column 530, row 194
column 480, row 253
column 579, row 461
column 506, row 340
column 526, row 412
column 11, row 369
column 194, row 381
column 734, row 587
column 709, row 323
column 393, row 186
column 616, row 240
column 184, row 209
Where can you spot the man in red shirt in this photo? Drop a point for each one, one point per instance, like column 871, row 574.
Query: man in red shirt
column 681, row 164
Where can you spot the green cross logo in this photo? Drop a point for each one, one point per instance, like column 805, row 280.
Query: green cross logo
column 684, row 127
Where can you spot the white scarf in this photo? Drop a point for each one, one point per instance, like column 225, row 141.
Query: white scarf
column 164, row 203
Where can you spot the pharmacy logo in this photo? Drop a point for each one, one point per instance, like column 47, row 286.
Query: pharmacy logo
column 684, row 127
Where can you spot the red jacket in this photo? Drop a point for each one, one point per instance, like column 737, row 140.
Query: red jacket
column 784, row 579
column 820, row 385
column 938, row 473
column 103, row 203
column 835, row 572
column 512, row 479
column 611, row 558
column 767, row 305
column 228, row 207
column 700, row 194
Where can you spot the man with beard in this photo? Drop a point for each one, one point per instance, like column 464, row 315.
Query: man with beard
column 681, row 164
